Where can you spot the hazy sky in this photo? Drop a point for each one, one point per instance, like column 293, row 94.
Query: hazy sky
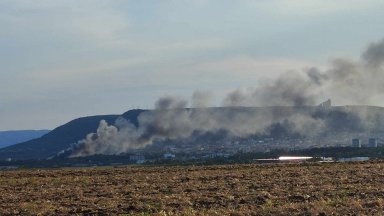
column 63, row 59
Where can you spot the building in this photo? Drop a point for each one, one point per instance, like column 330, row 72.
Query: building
column 372, row 143
column 354, row 159
column 356, row 143
column 136, row 158
column 169, row 156
column 325, row 105
column 327, row 159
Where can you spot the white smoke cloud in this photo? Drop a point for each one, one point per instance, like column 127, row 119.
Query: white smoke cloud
column 353, row 81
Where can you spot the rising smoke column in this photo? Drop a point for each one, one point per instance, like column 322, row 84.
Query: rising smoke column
column 290, row 89
column 346, row 81
column 170, row 120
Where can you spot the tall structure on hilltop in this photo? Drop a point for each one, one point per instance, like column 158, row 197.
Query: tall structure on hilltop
column 326, row 104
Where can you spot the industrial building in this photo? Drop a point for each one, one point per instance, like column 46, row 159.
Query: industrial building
column 356, row 143
column 372, row 143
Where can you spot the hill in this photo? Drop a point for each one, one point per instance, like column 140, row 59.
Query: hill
column 8, row 138
column 55, row 141
column 284, row 122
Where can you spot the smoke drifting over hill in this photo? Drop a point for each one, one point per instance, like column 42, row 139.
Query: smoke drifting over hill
column 346, row 81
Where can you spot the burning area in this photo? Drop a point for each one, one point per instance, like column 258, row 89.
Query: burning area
column 285, row 106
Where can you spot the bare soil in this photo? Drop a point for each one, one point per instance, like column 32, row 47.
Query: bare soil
column 273, row 189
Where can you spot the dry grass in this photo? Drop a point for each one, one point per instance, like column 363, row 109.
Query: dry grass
column 281, row 189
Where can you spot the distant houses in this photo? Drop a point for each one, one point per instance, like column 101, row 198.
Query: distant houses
column 169, row 156
column 139, row 159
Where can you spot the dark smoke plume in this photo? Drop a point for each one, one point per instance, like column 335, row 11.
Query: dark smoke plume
column 374, row 55
column 294, row 97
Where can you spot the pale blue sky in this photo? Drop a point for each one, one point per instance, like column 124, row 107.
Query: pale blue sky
column 62, row 59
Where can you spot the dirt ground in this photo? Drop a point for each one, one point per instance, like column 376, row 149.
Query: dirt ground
column 273, row 189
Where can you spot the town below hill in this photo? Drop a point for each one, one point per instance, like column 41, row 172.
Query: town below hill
column 292, row 129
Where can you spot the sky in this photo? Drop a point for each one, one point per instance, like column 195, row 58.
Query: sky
column 64, row 59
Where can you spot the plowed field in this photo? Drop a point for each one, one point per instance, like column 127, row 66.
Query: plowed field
column 277, row 189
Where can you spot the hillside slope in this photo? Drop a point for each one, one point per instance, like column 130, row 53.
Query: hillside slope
column 336, row 120
column 58, row 139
